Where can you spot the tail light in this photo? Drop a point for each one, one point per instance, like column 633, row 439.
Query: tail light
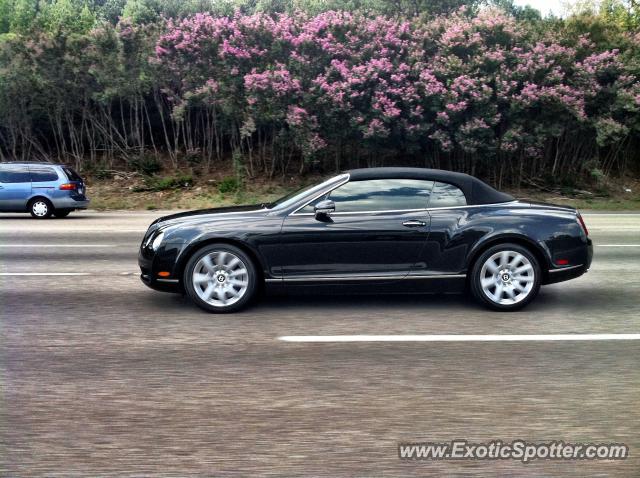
column 68, row 187
column 584, row 226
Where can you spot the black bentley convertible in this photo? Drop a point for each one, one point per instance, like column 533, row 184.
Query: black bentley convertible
column 379, row 230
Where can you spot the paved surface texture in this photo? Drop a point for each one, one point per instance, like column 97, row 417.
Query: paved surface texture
column 101, row 376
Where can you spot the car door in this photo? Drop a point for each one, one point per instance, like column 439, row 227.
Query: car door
column 447, row 246
column 15, row 187
column 377, row 232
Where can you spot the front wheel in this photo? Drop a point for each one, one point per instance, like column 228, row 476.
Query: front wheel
column 506, row 277
column 220, row 278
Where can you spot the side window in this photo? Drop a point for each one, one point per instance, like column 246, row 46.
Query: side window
column 379, row 195
column 14, row 174
column 447, row 195
column 43, row 174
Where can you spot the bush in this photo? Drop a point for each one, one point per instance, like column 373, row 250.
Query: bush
column 147, row 165
column 152, row 183
column 229, row 184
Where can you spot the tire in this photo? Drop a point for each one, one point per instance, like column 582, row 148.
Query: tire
column 506, row 277
column 60, row 213
column 220, row 278
column 40, row 208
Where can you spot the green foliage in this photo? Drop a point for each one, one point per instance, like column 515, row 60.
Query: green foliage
column 70, row 16
column 229, row 184
column 154, row 183
column 147, row 165
column 95, row 82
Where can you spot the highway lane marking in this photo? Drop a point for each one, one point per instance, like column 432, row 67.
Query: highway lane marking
column 456, row 338
column 59, row 245
column 617, row 245
column 45, row 274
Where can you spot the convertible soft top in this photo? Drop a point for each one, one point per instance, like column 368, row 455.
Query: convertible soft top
column 475, row 191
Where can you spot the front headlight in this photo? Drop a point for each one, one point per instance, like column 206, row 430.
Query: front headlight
column 157, row 241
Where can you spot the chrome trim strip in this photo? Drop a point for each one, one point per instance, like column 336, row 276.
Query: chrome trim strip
column 501, row 204
column 168, row 281
column 565, row 268
column 366, row 278
column 346, row 178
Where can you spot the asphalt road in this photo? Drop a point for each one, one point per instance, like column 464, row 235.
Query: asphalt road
column 101, row 376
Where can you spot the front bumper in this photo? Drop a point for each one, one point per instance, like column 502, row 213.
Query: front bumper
column 164, row 260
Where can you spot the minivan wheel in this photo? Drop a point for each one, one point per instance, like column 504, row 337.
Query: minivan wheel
column 40, row 208
column 220, row 278
column 506, row 277
column 60, row 213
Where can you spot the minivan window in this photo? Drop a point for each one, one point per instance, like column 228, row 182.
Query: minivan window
column 42, row 174
column 447, row 195
column 71, row 174
column 379, row 195
column 14, row 174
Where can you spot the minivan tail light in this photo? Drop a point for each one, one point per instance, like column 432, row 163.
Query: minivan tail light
column 584, row 226
column 68, row 187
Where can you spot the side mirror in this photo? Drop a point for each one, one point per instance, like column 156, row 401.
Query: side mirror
column 324, row 209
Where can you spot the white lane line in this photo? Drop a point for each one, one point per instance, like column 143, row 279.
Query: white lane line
column 45, row 274
column 17, row 246
column 457, row 338
column 617, row 245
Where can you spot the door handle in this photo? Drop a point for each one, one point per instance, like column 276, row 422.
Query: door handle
column 414, row 223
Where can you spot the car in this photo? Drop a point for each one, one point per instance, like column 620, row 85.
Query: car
column 43, row 189
column 376, row 230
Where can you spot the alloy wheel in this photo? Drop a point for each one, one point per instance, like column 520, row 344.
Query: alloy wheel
column 220, row 278
column 507, row 277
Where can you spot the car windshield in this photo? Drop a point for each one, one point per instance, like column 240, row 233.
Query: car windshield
column 298, row 194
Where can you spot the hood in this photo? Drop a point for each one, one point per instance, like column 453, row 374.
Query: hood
column 255, row 210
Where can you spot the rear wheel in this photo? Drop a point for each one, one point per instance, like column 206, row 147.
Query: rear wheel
column 220, row 278
column 40, row 208
column 62, row 213
column 506, row 277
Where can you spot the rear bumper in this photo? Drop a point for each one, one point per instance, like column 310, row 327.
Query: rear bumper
column 562, row 274
column 70, row 203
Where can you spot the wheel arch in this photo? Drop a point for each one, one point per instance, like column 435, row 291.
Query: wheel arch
column 536, row 249
column 36, row 197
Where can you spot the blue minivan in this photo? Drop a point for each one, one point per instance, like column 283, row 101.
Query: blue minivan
column 43, row 189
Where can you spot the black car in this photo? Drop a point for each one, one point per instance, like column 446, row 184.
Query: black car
column 372, row 230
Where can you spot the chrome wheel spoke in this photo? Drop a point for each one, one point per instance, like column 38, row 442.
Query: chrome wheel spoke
column 239, row 283
column 220, row 258
column 521, row 278
column 516, row 260
column 492, row 267
column 487, row 281
column 208, row 264
column 510, row 292
column 199, row 278
column 521, row 269
column 238, row 272
column 208, row 292
column 504, row 259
